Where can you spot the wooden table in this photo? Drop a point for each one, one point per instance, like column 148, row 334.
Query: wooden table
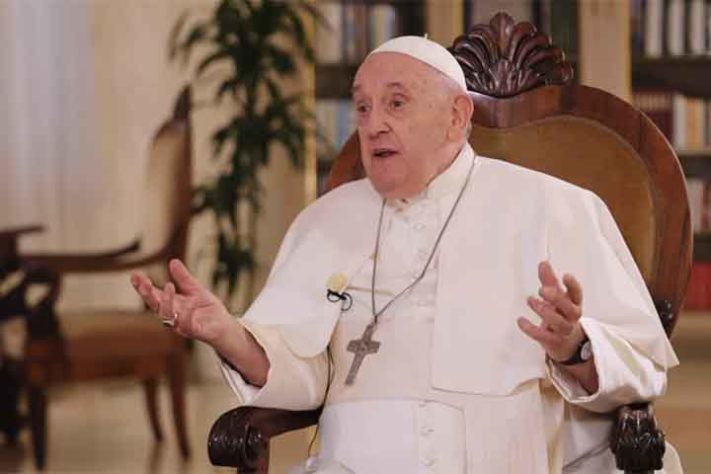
column 11, row 304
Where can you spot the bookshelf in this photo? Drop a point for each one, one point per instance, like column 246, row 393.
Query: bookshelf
column 670, row 44
column 688, row 75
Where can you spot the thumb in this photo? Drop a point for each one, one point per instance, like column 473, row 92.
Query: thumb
column 182, row 277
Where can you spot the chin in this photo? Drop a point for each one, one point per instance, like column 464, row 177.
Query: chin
column 385, row 189
column 391, row 191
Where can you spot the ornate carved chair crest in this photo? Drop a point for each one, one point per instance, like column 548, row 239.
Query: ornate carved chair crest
column 529, row 112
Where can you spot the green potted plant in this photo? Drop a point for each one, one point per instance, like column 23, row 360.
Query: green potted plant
column 251, row 46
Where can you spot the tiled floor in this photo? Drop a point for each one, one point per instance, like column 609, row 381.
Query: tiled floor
column 102, row 428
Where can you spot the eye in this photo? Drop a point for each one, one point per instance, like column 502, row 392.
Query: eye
column 362, row 108
column 397, row 103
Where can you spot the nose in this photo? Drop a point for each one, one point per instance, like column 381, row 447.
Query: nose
column 376, row 123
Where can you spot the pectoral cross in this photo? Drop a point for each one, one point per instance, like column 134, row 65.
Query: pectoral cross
column 361, row 348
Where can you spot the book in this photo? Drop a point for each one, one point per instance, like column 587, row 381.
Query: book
column 697, row 26
column 698, row 293
column 326, row 123
column 564, row 32
column 637, row 31
column 695, row 122
column 329, row 42
column 653, row 28
column 675, row 27
column 383, row 22
column 355, row 35
column 679, row 120
column 656, row 103
column 697, row 193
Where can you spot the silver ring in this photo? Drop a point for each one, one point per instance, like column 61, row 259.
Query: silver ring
column 170, row 323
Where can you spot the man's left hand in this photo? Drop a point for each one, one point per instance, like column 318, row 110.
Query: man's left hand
column 559, row 308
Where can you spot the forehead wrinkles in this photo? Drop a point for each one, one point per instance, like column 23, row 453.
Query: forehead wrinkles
column 383, row 69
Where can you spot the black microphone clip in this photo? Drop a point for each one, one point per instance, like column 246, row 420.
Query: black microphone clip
column 344, row 297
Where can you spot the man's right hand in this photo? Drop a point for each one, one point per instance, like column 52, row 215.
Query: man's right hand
column 196, row 312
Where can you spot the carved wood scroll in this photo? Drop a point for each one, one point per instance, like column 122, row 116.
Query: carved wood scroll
column 505, row 58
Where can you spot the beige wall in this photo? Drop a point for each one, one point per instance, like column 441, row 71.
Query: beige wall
column 136, row 88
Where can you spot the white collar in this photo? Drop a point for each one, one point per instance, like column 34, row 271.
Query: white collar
column 448, row 181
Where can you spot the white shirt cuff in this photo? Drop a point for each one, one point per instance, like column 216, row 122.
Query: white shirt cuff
column 624, row 374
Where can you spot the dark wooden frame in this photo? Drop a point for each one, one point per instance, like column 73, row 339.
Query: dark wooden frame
column 517, row 76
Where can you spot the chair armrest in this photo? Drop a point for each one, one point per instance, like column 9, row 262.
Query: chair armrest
column 637, row 443
column 240, row 437
column 81, row 262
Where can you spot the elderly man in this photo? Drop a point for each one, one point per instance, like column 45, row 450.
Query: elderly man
column 421, row 304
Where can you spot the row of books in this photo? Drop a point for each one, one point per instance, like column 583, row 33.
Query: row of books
column 685, row 121
column 351, row 30
column 698, row 293
column 335, row 122
column 698, row 191
column 670, row 27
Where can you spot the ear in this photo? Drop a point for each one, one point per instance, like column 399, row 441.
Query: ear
column 462, row 110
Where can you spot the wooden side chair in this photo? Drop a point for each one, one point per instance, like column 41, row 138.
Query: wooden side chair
column 527, row 111
column 109, row 343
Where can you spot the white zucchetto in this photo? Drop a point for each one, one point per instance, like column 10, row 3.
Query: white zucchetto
column 427, row 51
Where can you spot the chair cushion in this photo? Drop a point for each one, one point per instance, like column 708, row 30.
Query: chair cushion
column 116, row 342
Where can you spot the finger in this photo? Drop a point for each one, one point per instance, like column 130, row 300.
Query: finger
column 546, row 274
column 538, row 334
column 149, row 293
column 183, row 309
column 575, row 291
column 166, row 303
column 551, row 318
column 562, row 303
column 182, row 277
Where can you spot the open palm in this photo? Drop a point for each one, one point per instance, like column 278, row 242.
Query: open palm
column 195, row 311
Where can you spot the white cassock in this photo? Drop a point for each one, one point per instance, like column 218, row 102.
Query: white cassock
column 456, row 386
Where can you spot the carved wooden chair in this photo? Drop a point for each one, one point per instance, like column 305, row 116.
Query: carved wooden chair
column 111, row 343
column 528, row 112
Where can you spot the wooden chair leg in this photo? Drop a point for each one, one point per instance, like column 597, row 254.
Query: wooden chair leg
column 150, row 387
column 177, row 382
column 10, row 387
column 37, row 397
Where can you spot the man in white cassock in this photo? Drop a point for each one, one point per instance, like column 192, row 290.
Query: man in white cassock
column 422, row 305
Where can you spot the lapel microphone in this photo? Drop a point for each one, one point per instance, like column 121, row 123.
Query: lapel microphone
column 344, row 297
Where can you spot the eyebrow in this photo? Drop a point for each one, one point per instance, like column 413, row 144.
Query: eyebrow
column 391, row 85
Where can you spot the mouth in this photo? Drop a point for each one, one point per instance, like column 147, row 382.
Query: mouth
column 383, row 153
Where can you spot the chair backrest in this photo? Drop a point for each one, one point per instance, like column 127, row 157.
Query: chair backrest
column 168, row 188
column 526, row 111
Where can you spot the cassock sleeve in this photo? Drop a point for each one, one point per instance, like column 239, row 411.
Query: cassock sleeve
column 618, row 314
column 624, row 374
column 293, row 383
